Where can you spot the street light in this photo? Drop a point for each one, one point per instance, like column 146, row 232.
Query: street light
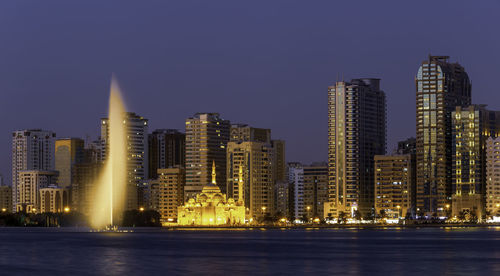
column 399, row 211
column 141, row 209
column 66, row 209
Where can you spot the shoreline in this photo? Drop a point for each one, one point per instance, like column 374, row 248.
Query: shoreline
column 319, row 227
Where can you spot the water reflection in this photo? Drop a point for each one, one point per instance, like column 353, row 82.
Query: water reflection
column 334, row 251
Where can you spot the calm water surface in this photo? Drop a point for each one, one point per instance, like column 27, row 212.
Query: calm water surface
column 433, row 251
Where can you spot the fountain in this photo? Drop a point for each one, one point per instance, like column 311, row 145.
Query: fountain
column 110, row 189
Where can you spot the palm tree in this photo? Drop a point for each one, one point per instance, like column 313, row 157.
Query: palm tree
column 342, row 217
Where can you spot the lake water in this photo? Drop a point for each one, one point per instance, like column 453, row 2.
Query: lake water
column 433, row 251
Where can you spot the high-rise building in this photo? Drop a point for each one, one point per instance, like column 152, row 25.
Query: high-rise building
column 279, row 160
column 493, row 176
column 471, row 127
column 170, row 192
column 137, row 146
column 440, row 86
column 68, row 153
column 244, row 132
column 408, row 146
column 29, row 185
column 32, row 149
column 296, row 192
column 315, row 190
column 207, row 135
column 282, row 198
column 83, row 188
column 394, row 186
column 356, row 133
column 250, row 168
column 84, row 177
column 167, row 148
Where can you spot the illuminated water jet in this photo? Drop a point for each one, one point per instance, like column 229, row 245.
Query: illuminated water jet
column 109, row 198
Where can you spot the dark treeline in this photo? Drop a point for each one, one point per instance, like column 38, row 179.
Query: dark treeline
column 134, row 218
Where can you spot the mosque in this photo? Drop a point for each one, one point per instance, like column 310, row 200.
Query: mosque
column 211, row 207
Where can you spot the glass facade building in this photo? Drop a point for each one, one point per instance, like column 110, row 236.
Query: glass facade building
column 440, row 87
column 356, row 133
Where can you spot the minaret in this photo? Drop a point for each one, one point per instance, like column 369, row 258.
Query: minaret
column 213, row 173
column 240, row 186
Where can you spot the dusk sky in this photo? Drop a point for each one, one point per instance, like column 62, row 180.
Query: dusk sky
column 265, row 63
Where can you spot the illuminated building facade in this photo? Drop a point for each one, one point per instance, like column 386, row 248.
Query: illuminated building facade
column 5, row 198
column 54, row 199
column 210, row 208
column 167, row 148
column 440, row 87
column 207, row 135
column 68, row 153
column 32, row 149
column 282, row 198
column 29, row 185
column 137, row 146
column 315, row 191
column 244, row 132
column 394, row 186
column 296, row 193
column 170, row 192
column 85, row 175
column 250, row 175
column 493, row 176
column 471, row 127
column 356, row 133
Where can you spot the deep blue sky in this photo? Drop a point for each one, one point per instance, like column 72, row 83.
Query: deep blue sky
column 266, row 63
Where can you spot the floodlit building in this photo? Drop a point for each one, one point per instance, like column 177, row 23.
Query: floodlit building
column 170, row 192
column 493, row 176
column 254, row 160
column 394, row 186
column 137, row 145
column 29, row 185
column 167, row 148
column 440, row 87
column 207, row 135
column 210, row 208
column 85, row 177
column 68, row 153
column 32, row 149
column 356, row 133
column 471, row 127
column 54, row 199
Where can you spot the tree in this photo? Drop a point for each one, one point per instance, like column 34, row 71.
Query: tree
column 342, row 217
column 357, row 214
column 370, row 216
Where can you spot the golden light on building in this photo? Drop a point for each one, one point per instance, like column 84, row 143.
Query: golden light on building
column 210, row 207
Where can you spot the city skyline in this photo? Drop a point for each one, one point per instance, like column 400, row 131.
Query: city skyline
column 234, row 63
